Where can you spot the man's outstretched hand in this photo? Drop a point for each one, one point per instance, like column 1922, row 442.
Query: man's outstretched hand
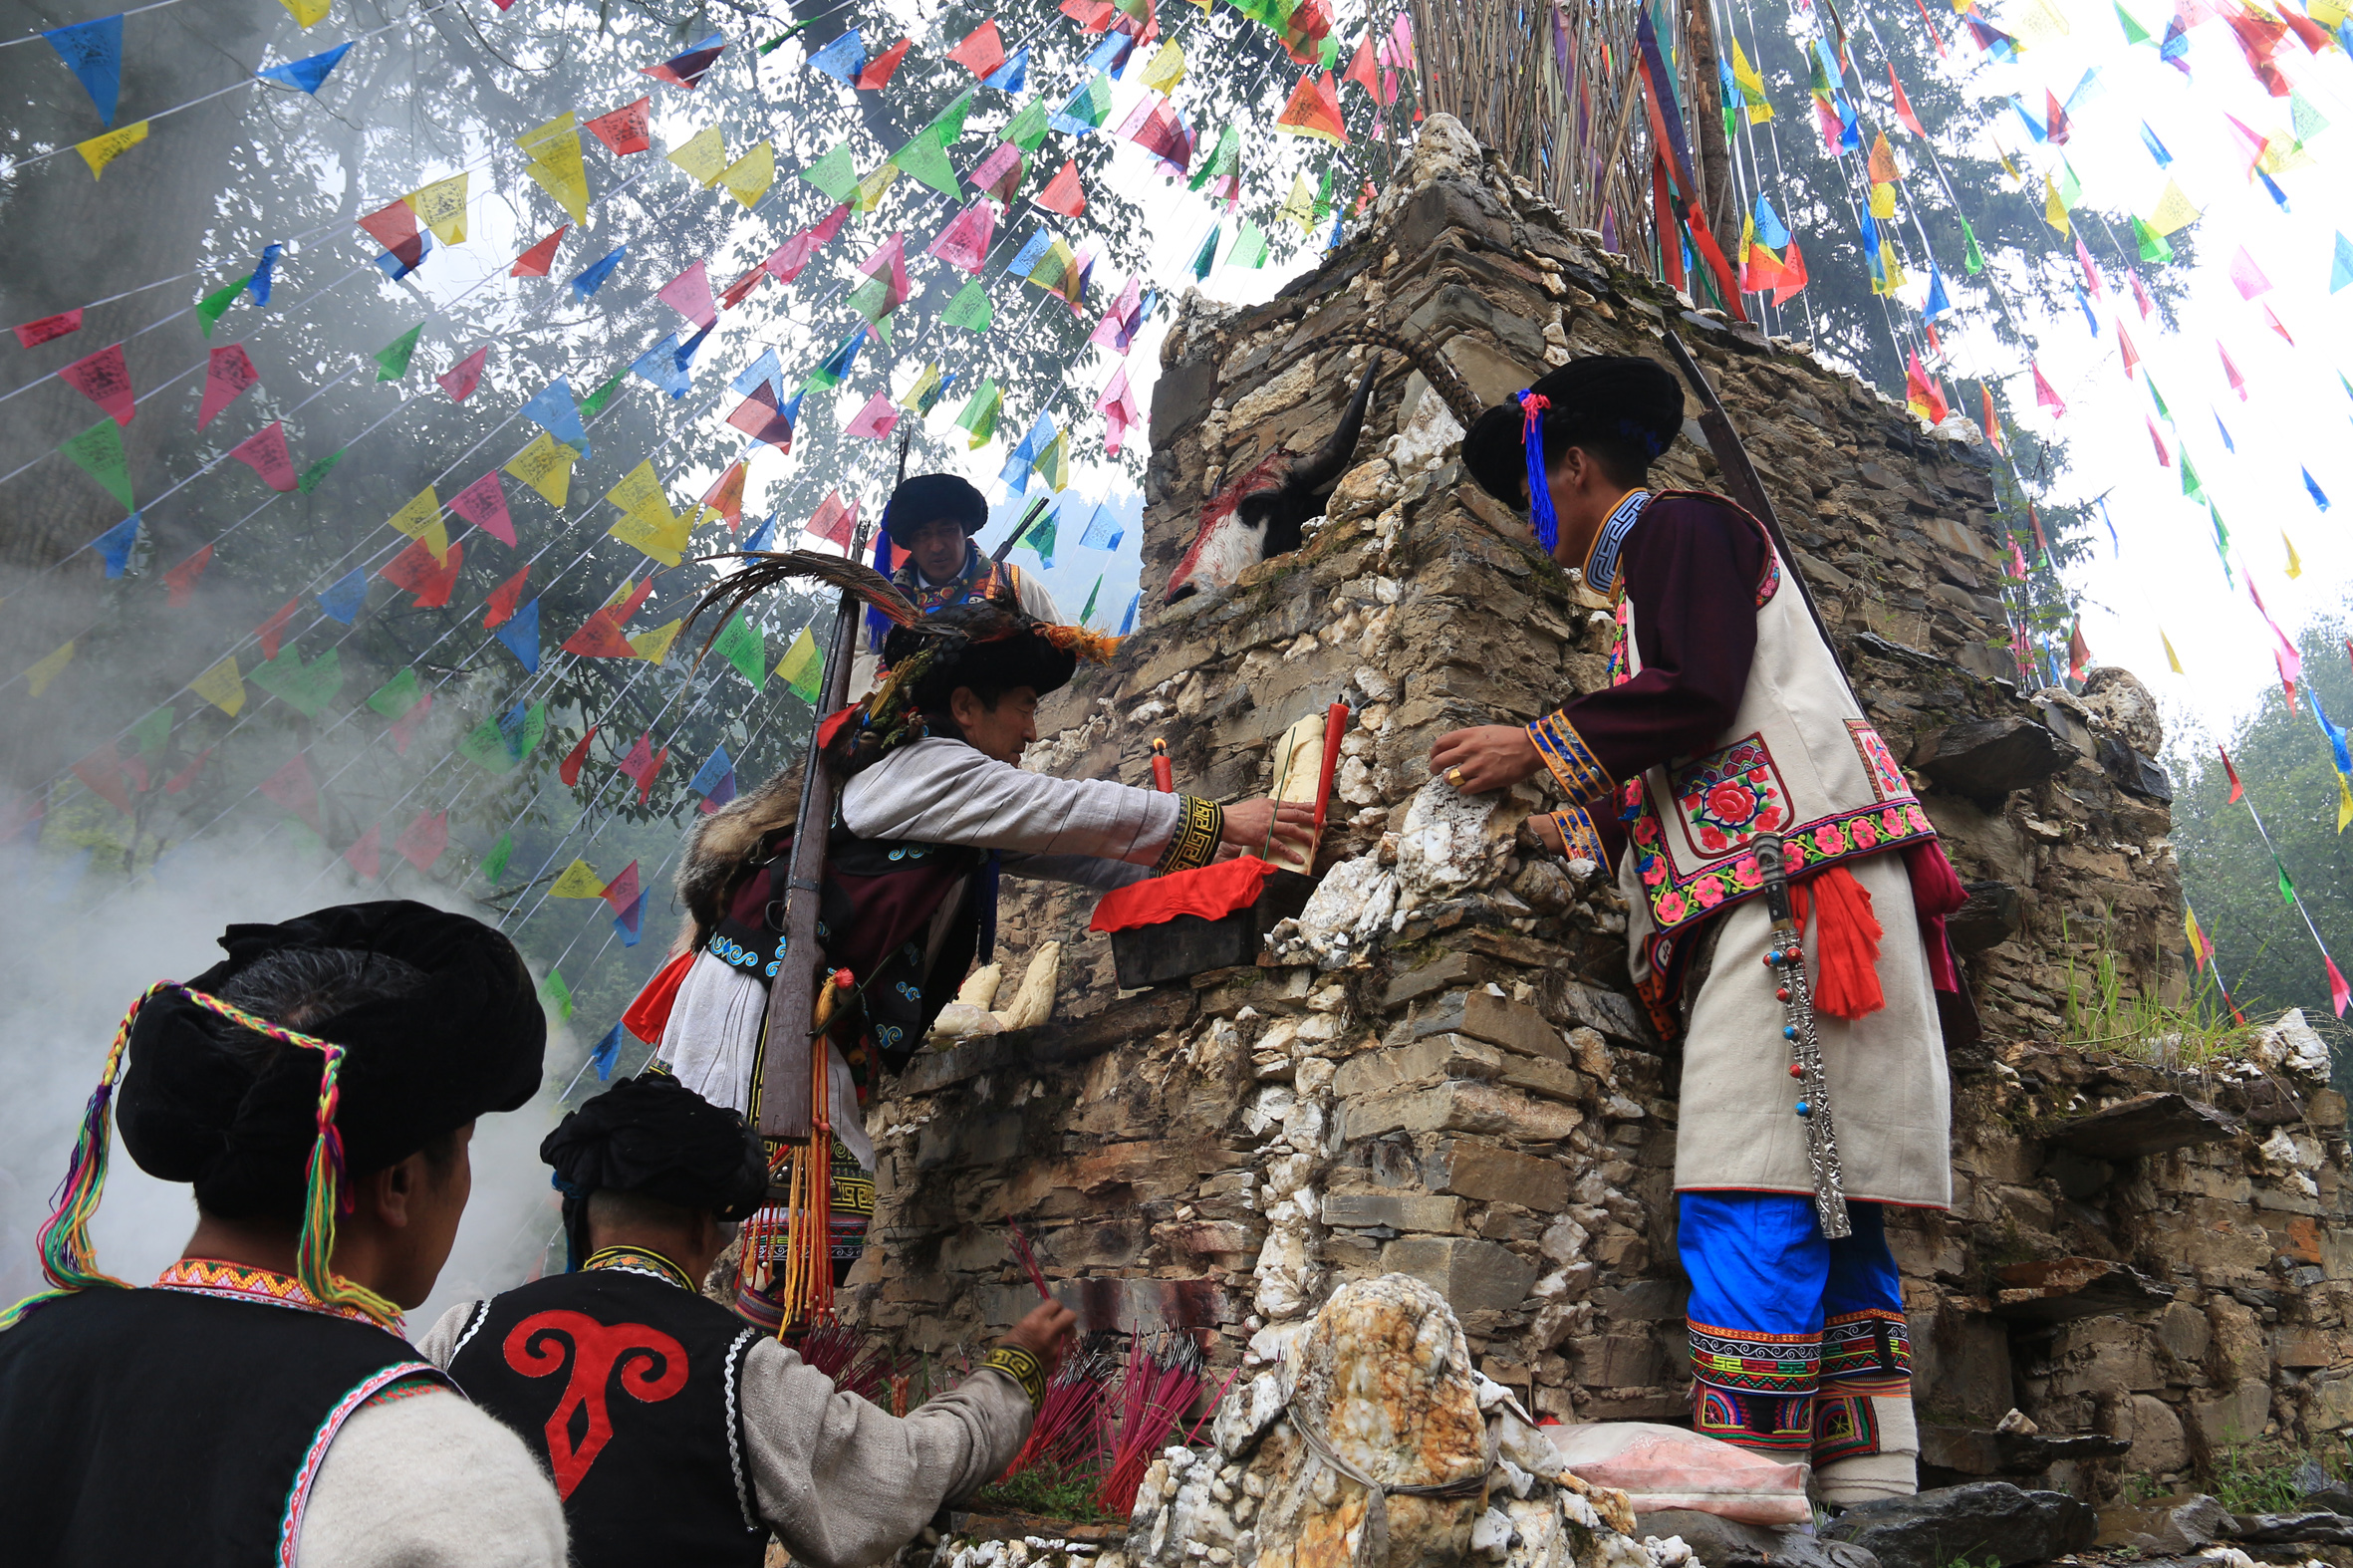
column 1490, row 757
column 1247, row 821
column 1043, row 1332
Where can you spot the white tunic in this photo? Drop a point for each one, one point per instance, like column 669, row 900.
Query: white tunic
column 427, row 1480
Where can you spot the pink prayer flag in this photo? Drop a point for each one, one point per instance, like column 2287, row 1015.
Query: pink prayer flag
column 422, row 841
column 1132, row 128
column 2083, row 259
column 689, row 294
column 294, row 788
column 999, row 173
column 460, row 380
column 623, row 129
column 273, row 631
column 785, row 262
column 758, row 418
column 966, row 240
column 2124, row 343
column 832, row 520
column 503, row 600
column 2338, row 994
column 743, row 286
column 2165, row 459
column 641, row 764
column 1117, row 330
column 2238, row 382
column 264, row 451
column 534, row 263
column 429, row 580
column 405, row 728
column 1062, row 193
column 2055, row 128
column 2246, row 274
column 891, row 253
column 1120, row 412
column 364, row 855
column 2045, row 394
column 2277, row 326
column 2140, row 294
column 228, row 375
column 105, row 378
column 32, row 334
column 483, row 504
column 180, row 581
column 876, row 421
column 1400, row 37
column 830, row 225
column 2250, row 145
column 622, row 890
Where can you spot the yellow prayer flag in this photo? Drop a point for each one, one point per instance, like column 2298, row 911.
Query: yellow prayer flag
column 307, row 12
column 2281, row 152
column 2173, row 210
column 1299, row 206
column 102, row 149
column 2344, row 803
column 1165, row 67
column 654, row 647
column 747, row 178
column 704, row 155
column 222, row 686
column 2041, row 22
column 2171, row 657
column 38, row 677
column 1883, row 163
column 2295, row 567
column 2009, row 169
column 628, row 586
column 663, row 538
column 1883, row 201
column 440, row 206
column 1893, row 265
column 2328, row 13
column 868, row 194
column 421, row 519
column 554, row 152
column 577, row 882
column 798, row 668
column 2054, row 211
column 924, row 385
column 545, row 466
column 640, row 491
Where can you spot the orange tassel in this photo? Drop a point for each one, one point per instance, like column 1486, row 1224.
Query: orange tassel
column 1845, row 942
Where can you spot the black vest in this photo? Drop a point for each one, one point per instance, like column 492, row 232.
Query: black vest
column 628, row 1386
column 165, row 1427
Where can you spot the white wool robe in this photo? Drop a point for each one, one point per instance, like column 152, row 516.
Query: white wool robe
column 427, row 1480
column 1096, row 831
column 842, row 1481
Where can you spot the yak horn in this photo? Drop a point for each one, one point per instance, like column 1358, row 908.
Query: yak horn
column 1322, row 472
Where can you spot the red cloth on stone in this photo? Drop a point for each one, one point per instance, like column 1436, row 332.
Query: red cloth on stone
column 1207, row 891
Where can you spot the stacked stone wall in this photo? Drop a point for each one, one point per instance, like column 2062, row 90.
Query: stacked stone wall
column 1440, row 1070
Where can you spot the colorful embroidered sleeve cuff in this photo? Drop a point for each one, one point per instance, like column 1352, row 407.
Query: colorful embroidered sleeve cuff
column 1023, row 1368
column 1572, row 762
column 1200, row 826
column 1580, row 839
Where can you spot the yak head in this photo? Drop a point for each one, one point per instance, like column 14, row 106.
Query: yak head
column 1264, row 512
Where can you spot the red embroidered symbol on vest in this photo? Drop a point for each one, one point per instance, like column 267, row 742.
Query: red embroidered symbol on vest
column 533, row 1348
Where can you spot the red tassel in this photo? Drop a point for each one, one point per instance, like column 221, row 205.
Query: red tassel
column 1845, row 942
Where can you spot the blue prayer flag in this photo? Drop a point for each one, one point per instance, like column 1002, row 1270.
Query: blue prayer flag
column 307, row 73
column 630, row 922
column 343, row 601
column 1128, row 620
column 520, row 632
column 722, row 793
column 764, row 370
column 2336, row 736
column 1937, row 303
column 683, row 356
column 660, row 365
column 1104, row 531
column 2312, row 487
column 394, row 268
column 93, row 51
column 2272, row 186
column 555, row 411
column 1027, row 256
column 592, row 277
column 264, row 271
column 842, row 59
column 1110, row 54
column 2155, row 147
column 1013, row 75
column 1770, row 226
column 763, row 537
column 608, row 1050
column 2340, row 265
column 714, row 768
column 836, row 364
column 2176, row 47
column 792, row 410
column 2228, row 444
column 2034, row 123
column 1025, row 456
column 2089, row 318
column 114, row 546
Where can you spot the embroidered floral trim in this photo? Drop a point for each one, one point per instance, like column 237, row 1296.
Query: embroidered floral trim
column 1023, row 1368
column 1870, row 830
column 1200, row 826
column 1731, row 796
column 204, row 1276
column 637, row 1261
column 1770, row 583
column 1763, row 1363
column 1572, row 761
column 1879, row 764
column 1580, row 839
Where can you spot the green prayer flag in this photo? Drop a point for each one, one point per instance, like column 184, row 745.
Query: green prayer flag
column 1027, row 128
column 2287, row 888
column 494, row 863
column 557, row 995
column 970, row 308
column 1087, row 611
column 595, row 403
column 392, row 361
column 99, row 451
column 1249, row 247
column 152, row 734
column 2134, row 32
column 2308, row 120
column 1323, row 198
column 1039, row 537
column 948, row 123
column 212, row 306
column 799, row 667
column 396, row 695
column 2190, row 486
column 2163, row 412
column 2070, row 188
column 316, row 473
column 740, row 642
column 871, row 299
column 487, row 747
column 1089, row 106
column 2155, row 247
column 1972, row 257
column 980, row 413
column 1331, row 51
column 1225, row 158
column 1206, row 256
column 925, row 159
column 834, row 173
column 307, row 689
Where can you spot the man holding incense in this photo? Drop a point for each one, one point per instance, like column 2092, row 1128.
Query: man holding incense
column 676, row 1434
column 933, row 806
column 1729, row 723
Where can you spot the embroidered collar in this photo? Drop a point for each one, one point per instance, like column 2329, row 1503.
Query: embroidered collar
column 204, row 1276
column 1601, row 563
column 638, row 1261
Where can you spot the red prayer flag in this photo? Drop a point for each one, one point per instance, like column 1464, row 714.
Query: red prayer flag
column 32, row 334
column 460, row 380
column 405, row 728
column 741, row 287
column 483, row 504
column 622, row 890
column 725, row 496
column 186, row 776
column 1062, row 193
column 422, row 841
column 1363, row 68
column 505, row 598
column 641, row 764
column 981, row 52
column 2124, row 343
column 264, row 451
column 102, row 770
column 105, row 378
column 2338, row 994
column 2165, row 459
column 2238, row 382
column 393, row 226
column 2278, row 325
column 363, row 857
column 1904, row 103
column 758, row 418
column 1314, row 110
column 430, row 579
column 534, row 263
column 228, row 375
column 182, row 579
column 2056, row 129
column 1793, row 274
column 568, row 772
column 601, row 637
column 623, row 129
column 2238, row 790
column 831, row 521
column 2079, row 653
column 1993, row 419
column 883, row 67
column 273, row 631
column 294, row 788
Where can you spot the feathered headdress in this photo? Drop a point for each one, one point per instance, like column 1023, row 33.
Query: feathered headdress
column 766, row 569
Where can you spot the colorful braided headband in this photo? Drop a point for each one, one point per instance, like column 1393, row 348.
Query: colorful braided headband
column 69, row 1261
column 1531, row 439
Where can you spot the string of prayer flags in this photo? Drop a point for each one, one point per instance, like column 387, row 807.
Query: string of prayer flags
column 981, row 52
column 46, row 668
column 799, row 669
column 592, row 277
column 688, row 68
column 714, row 781
column 878, row 70
column 642, row 765
column 115, row 544
column 101, row 150
column 843, row 59
column 876, row 419
column 626, row 129
column 264, row 451
column 93, row 51
column 1313, row 111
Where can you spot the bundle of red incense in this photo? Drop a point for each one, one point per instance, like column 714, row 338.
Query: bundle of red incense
column 1161, row 1382
column 857, row 1363
column 1068, row 1432
column 1029, row 1259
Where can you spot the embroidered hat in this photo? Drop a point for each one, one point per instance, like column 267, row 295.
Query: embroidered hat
column 929, row 497
column 1627, row 408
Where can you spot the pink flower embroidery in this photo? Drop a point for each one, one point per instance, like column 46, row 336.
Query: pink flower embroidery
column 1746, row 872
column 1646, row 829
column 1864, row 831
column 1654, row 870
column 1891, row 823
column 1731, row 804
column 1672, row 908
column 1711, row 840
column 1769, row 819
column 1709, row 893
column 1829, row 840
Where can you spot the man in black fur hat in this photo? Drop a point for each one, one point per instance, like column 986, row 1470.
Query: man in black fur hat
column 932, row 517
column 258, row 1403
column 726, row 1437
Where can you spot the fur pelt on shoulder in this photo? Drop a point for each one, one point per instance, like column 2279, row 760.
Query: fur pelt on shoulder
column 715, row 863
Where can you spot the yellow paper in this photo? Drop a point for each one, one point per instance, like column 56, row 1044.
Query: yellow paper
column 654, row 647
column 869, row 193
column 2054, row 211
column 38, row 677
column 440, row 206
column 747, row 178
column 100, row 151
column 1165, row 67
column 640, row 491
column 2295, row 567
column 924, row 384
column 2281, row 152
column 798, row 666
column 222, row 686
column 664, row 539
column 1894, row 265
column 2171, row 657
column 554, row 152
column 421, row 519
column 2173, row 210
column 545, row 466
column 577, row 882
column 308, row 12
column 1883, row 201
column 704, row 155
column 1299, row 206
column 2327, row 13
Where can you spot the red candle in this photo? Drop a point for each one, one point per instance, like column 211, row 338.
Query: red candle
column 1164, row 773
column 1335, row 726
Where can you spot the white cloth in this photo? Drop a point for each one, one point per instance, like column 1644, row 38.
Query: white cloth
column 427, row 1480
column 841, row 1482
column 713, row 1039
column 1095, row 832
